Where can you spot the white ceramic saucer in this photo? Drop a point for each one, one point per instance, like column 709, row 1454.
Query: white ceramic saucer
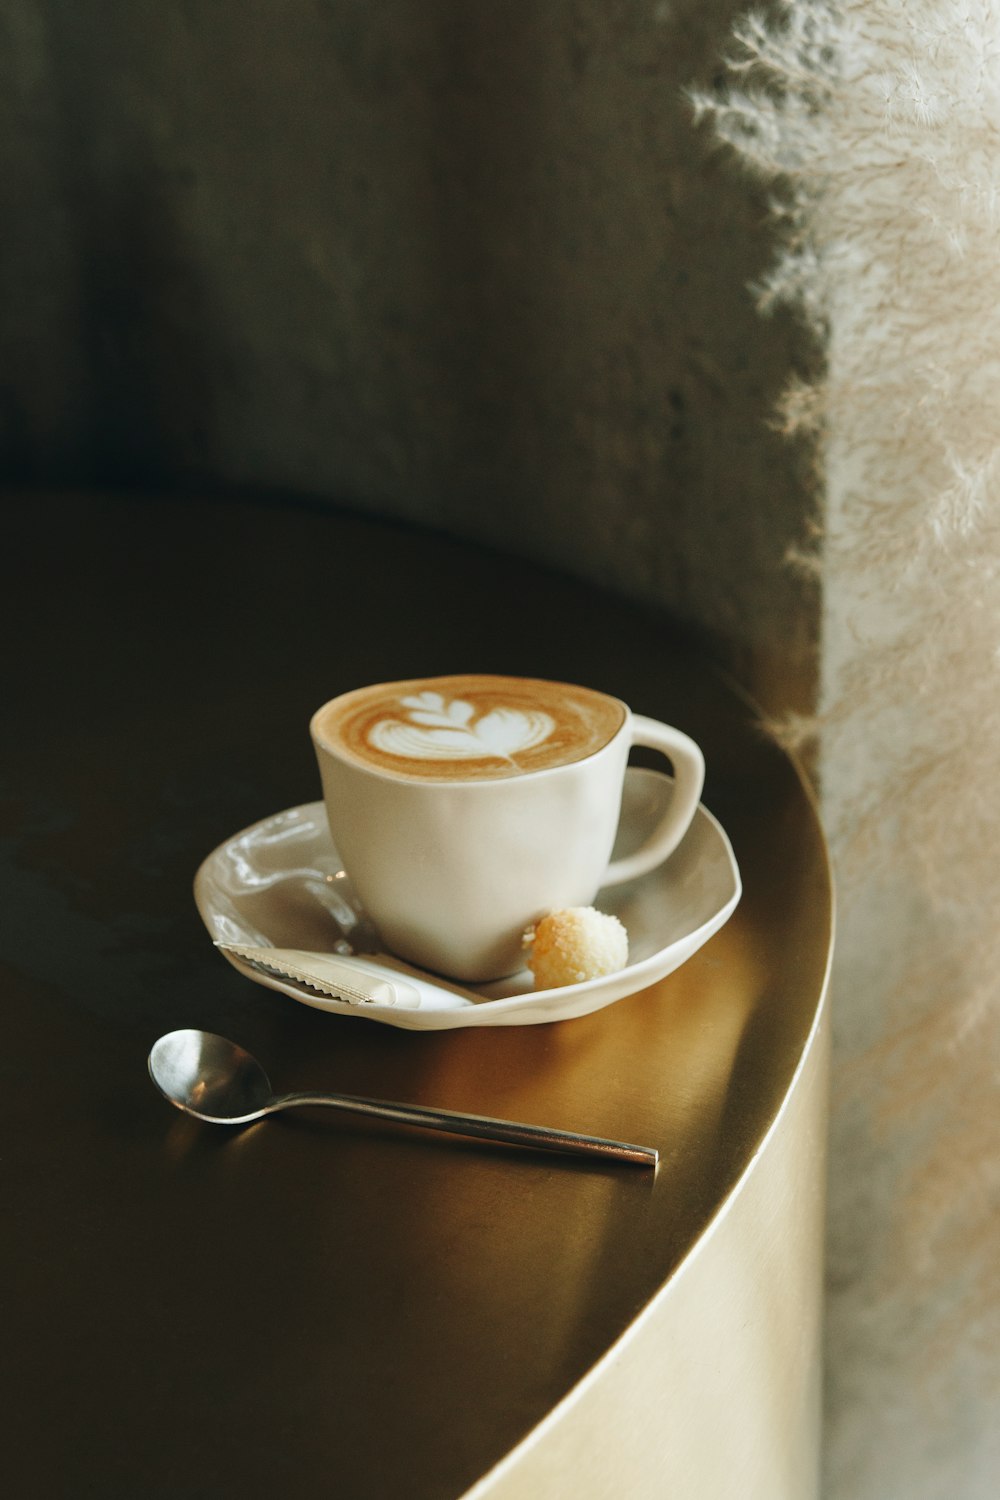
column 279, row 884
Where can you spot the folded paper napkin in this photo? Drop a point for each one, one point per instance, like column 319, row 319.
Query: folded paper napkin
column 356, row 980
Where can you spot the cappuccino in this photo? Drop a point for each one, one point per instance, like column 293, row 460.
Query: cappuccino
column 464, row 808
column 468, row 728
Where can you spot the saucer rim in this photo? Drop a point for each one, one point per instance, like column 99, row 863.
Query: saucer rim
column 505, row 1005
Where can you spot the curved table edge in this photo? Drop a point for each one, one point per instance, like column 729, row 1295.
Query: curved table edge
column 714, row 1390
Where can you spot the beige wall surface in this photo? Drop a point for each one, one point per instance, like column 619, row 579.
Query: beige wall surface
column 469, row 264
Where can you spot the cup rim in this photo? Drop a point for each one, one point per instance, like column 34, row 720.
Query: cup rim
column 396, row 778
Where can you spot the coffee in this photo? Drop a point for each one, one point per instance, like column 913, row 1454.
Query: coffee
column 468, row 728
column 452, row 845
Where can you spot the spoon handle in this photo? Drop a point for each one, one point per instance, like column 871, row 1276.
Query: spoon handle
column 483, row 1127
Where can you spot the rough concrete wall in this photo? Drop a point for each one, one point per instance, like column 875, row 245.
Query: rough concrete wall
column 466, row 263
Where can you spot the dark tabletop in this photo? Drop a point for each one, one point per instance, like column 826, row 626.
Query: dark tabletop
column 314, row 1305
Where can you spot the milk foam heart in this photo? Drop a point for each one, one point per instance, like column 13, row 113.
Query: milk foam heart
column 437, row 728
column 469, row 728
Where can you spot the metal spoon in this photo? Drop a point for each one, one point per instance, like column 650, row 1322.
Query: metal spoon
column 217, row 1081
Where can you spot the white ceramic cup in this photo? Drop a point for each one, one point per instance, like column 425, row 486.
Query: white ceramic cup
column 452, row 872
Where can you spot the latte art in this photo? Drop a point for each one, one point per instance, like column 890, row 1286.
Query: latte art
column 468, row 728
column 440, row 729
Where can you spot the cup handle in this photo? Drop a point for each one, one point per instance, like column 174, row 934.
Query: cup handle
column 689, row 777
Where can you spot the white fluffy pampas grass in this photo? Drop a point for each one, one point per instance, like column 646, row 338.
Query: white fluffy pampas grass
column 878, row 124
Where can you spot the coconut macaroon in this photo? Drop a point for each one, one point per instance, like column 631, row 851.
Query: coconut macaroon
column 578, row 943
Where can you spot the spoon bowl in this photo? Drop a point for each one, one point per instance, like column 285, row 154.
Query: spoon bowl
column 217, row 1081
column 210, row 1077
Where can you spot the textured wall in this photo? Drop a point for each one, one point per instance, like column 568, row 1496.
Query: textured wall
column 468, row 263
column 884, row 116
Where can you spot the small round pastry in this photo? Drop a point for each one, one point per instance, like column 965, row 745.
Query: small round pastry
column 578, row 943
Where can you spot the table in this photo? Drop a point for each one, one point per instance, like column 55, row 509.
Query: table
column 315, row 1306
